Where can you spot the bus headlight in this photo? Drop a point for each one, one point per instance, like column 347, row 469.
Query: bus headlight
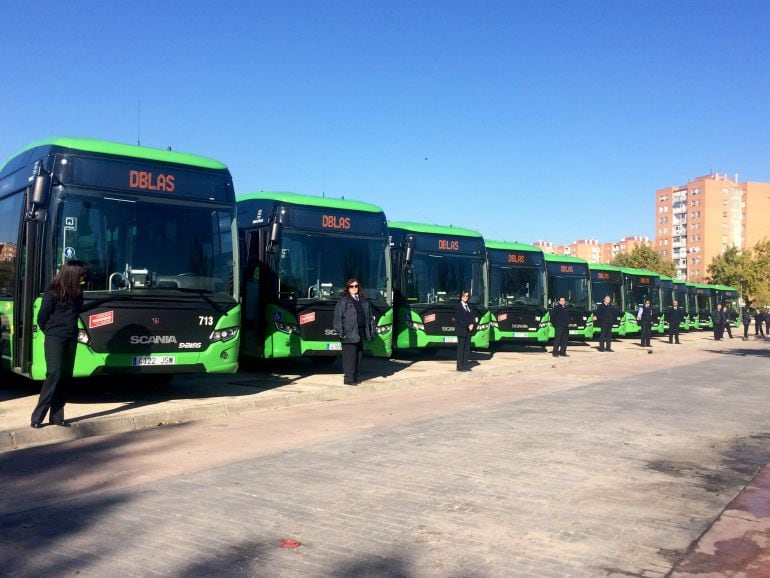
column 287, row 327
column 494, row 324
column 383, row 329
column 223, row 334
column 83, row 336
column 415, row 325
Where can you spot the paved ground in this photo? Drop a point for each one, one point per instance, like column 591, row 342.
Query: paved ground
column 596, row 465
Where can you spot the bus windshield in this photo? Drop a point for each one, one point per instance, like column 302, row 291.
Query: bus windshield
column 146, row 245
column 316, row 267
column 575, row 289
column 439, row 278
column 600, row 289
column 524, row 286
column 638, row 294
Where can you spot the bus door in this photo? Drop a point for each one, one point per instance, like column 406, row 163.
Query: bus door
column 255, row 289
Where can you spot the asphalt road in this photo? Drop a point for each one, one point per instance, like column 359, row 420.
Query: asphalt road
column 613, row 466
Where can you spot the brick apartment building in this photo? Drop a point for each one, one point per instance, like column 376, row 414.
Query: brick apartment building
column 592, row 250
column 698, row 221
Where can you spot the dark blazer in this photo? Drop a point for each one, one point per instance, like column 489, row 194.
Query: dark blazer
column 57, row 319
column 605, row 314
column 463, row 319
column 645, row 316
column 559, row 316
column 346, row 320
column 674, row 316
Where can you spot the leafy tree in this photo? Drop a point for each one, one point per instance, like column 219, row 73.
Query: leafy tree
column 644, row 257
column 747, row 270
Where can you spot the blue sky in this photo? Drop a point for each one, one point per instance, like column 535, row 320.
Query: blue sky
column 525, row 120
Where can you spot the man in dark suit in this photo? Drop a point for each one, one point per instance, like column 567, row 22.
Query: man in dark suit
column 674, row 316
column 465, row 323
column 560, row 322
column 604, row 317
column 644, row 317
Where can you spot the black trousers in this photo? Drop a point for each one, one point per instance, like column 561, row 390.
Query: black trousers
column 673, row 334
column 745, row 331
column 560, row 338
column 646, row 334
column 463, row 351
column 59, row 361
column 728, row 329
column 351, row 359
column 605, row 337
column 758, row 328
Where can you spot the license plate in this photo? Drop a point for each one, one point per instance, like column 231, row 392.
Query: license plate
column 334, row 346
column 520, row 334
column 145, row 360
column 450, row 339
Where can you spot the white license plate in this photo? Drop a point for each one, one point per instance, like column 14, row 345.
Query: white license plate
column 576, row 332
column 334, row 346
column 144, row 360
column 450, row 339
column 520, row 334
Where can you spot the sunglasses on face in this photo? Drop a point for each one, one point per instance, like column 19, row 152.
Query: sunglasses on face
column 353, row 286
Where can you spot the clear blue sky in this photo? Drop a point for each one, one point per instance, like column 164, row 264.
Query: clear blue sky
column 525, row 120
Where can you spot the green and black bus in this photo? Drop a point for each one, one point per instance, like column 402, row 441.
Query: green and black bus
column 666, row 300
column 704, row 296
column 569, row 277
column 517, row 292
column 431, row 265
column 640, row 285
column 728, row 296
column 608, row 280
column 297, row 253
column 693, row 314
column 156, row 231
column 682, row 297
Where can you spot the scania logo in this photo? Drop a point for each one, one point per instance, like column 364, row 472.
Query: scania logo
column 152, row 339
column 447, row 329
column 519, row 326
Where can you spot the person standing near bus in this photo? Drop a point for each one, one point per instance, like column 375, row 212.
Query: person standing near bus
column 605, row 316
column 465, row 323
column 726, row 321
column 354, row 323
column 560, row 322
column 58, row 320
column 718, row 320
column 644, row 317
column 746, row 319
column 674, row 316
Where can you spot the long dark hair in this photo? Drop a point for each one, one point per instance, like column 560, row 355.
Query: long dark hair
column 348, row 283
column 66, row 285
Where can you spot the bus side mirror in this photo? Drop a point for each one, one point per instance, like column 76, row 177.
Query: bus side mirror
column 275, row 234
column 40, row 190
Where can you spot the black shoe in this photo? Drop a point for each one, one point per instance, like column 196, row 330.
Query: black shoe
column 677, row 343
column 36, row 425
column 602, row 349
column 463, row 369
column 563, row 355
column 610, row 350
column 555, row 354
column 61, row 423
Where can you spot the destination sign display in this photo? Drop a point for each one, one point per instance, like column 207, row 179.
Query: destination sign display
column 333, row 220
column 567, row 269
column 516, row 258
column 606, row 276
column 426, row 242
column 140, row 177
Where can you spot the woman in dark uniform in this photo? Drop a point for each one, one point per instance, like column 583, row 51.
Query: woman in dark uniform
column 465, row 323
column 354, row 323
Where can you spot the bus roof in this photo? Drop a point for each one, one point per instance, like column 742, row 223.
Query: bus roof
column 603, row 267
column 311, row 201
column 118, row 149
column 680, row 282
column 506, row 246
column 645, row 272
column 564, row 258
column 433, row 229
